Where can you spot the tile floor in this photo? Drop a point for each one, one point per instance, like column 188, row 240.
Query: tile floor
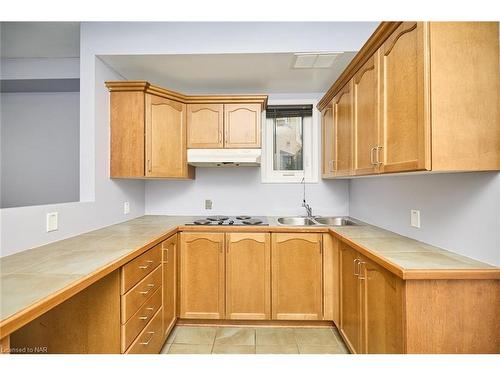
column 258, row 340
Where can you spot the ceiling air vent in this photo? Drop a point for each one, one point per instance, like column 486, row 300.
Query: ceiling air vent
column 315, row 60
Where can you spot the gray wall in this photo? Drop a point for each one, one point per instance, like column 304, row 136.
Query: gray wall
column 40, row 148
column 458, row 212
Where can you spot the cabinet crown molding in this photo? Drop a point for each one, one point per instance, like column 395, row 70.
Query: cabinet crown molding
column 145, row 86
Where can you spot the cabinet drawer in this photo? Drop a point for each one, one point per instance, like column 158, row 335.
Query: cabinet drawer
column 150, row 339
column 140, row 293
column 140, row 319
column 139, row 267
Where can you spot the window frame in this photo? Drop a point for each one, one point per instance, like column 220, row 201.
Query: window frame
column 310, row 148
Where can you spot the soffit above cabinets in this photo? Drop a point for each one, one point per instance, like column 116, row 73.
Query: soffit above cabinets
column 230, row 73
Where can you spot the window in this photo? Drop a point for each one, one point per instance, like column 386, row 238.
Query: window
column 290, row 151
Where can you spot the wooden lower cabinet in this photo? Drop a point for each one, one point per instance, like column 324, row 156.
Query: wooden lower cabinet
column 169, row 265
column 202, row 275
column 331, row 279
column 381, row 309
column 372, row 305
column 350, row 295
column 297, row 276
column 248, row 276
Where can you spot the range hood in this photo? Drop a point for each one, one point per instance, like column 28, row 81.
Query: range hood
column 224, row 157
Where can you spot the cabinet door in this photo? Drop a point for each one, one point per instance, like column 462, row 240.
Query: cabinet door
column 242, row 125
column 382, row 310
column 202, row 275
column 405, row 135
column 350, row 315
column 165, row 138
column 365, row 127
column 248, row 276
column 343, row 111
column 327, row 141
column 169, row 261
column 205, row 124
column 297, row 276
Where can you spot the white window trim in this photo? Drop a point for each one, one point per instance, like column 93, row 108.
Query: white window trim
column 311, row 148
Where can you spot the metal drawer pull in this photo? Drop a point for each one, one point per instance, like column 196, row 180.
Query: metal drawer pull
column 152, row 333
column 147, row 265
column 146, row 317
column 372, row 158
column 151, row 286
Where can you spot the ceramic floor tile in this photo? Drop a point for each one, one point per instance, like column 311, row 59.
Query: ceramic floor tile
column 235, row 336
column 190, row 349
column 195, row 335
column 315, row 336
column 275, row 336
column 233, row 349
column 318, row 349
column 277, row 349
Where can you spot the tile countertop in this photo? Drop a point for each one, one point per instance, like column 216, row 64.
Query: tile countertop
column 33, row 277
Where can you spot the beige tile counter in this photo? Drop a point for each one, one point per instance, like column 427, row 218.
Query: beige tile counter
column 49, row 274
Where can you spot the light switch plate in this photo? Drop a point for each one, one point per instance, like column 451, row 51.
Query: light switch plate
column 415, row 218
column 126, row 208
column 52, row 221
column 208, row 204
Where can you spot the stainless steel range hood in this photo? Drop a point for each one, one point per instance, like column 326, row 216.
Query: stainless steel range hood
column 224, row 157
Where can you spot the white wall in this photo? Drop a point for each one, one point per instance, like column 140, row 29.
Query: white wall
column 39, row 153
column 459, row 212
column 24, row 227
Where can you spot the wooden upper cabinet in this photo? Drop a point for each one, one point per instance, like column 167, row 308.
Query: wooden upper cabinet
column 365, row 128
column 382, row 329
column 127, row 134
column 350, row 313
column 327, row 141
column 343, row 116
column 202, row 275
column 297, row 276
column 405, row 131
column 205, row 123
column 242, row 124
column 248, row 276
column 165, row 138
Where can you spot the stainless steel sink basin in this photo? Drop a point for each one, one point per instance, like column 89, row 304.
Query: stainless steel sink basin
column 296, row 221
column 335, row 221
column 301, row 221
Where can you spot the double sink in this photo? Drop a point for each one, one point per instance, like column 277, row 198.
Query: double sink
column 301, row 221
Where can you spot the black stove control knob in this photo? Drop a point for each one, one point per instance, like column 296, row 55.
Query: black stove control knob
column 231, row 222
column 221, row 222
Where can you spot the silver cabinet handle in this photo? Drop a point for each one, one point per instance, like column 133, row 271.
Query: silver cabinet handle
column 359, row 271
column 151, row 286
column 146, row 317
column 356, row 262
column 220, row 136
column 149, row 262
column 372, row 159
column 377, row 161
column 152, row 333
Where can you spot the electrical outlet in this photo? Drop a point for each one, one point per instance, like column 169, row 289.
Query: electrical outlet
column 126, row 208
column 52, row 221
column 415, row 218
column 208, row 204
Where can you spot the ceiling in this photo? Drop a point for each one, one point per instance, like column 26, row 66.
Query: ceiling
column 39, row 39
column 228, row 73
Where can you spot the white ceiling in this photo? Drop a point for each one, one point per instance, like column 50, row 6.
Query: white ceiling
column 228, row 73
column 40, row 39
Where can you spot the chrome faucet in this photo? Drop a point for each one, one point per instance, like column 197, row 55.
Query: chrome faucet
column 304, row 203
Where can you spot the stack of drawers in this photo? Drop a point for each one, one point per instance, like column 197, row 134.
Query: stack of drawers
column 141, row 303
